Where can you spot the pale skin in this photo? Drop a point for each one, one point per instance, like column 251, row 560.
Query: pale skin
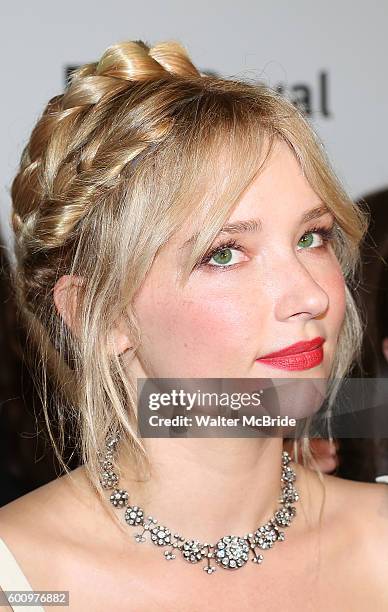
column 276, row 292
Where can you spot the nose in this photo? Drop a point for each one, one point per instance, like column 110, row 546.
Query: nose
column 299, row 294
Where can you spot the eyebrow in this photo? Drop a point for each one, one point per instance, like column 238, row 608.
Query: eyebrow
column 255, row 225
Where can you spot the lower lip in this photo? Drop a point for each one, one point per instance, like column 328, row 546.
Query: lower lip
column 300, row 361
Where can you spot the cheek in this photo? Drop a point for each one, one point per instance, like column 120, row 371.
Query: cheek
column 195, row 337
column 335, row 287
column 222, row 320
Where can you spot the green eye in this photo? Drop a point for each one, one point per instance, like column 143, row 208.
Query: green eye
column 325, row 236
column 223, row 256
column 307, row 239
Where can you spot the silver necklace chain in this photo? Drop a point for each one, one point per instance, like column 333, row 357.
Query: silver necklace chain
column 230, row 552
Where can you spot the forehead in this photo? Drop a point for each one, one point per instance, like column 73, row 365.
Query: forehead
column 279, row 192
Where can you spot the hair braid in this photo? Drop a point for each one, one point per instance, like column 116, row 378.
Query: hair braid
column 77, row 152
column 59, row 168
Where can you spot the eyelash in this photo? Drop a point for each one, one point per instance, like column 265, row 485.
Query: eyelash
column 327, row 234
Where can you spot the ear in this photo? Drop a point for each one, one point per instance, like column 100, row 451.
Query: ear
column 65, row 295
column 65, row 298
column 118, row 338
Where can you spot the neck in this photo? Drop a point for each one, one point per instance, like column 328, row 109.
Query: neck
column 205, row 488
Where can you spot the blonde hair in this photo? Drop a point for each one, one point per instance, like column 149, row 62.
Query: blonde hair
column 138, row 142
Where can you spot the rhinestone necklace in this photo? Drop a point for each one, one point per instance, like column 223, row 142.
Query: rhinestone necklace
column 230, row 552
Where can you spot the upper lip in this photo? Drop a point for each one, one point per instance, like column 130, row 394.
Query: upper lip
column 298, row 347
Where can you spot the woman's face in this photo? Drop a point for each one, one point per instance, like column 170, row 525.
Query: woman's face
column 267, row 291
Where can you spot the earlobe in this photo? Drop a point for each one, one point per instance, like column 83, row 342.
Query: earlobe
column 118, row 342
column 119, row 339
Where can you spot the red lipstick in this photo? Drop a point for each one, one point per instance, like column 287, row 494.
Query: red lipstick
column 299, row 356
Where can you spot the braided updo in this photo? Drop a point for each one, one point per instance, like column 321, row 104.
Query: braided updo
column 137, row 142
column 79, row 147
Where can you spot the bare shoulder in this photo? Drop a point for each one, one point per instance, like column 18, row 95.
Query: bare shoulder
column 360, row 511
column 63, row 539
column 46, row 507
column 46, row 529
column 365, row 503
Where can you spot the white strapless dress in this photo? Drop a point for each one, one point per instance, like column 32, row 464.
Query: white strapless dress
column 12, row 578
